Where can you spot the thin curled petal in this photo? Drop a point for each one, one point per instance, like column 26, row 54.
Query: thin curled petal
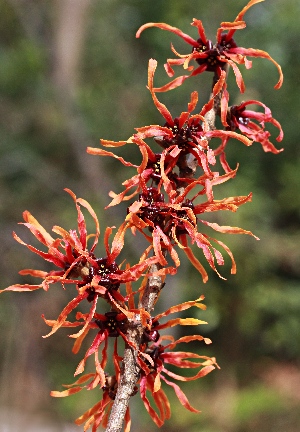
column 167, row 27
column 181, row 396
column 262, row 54
column 181, row 307
column 180, row 321
column 63, row 315
column 160, row 106
column 228, row 229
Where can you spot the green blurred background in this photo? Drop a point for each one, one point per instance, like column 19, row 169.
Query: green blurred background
column 71, row 72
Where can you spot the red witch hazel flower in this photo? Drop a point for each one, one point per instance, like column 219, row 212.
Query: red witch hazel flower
column 179, row 137
column 155, row 368
column 109, row 325
column 69, row 252
column 186, row 132
column 251, row 123
column 239, row 117
column 153, row 374
column 184, row 135
column 172, row 224
column 99, row 413
column 94, row 277
column 148, row 170
column 210, row 57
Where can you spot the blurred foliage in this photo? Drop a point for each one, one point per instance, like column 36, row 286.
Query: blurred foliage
column 45, row 127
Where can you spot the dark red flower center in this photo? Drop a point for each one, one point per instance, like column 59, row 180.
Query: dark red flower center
column 154, row 352
column 184, row 137
column 236, row 117
column 181, row 216
column 155, row 166
column 210, row 59
column 113, row 322
column 213, row 58
column 153, row 211
column 151, row 335
column 105, row 270
column 225, row 44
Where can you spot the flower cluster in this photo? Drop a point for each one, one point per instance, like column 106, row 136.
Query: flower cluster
column 169, row 196
column 169, row 183
column 213, row 57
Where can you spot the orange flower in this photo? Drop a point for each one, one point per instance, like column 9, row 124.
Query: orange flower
column 184, row 135
column 68, row 252
column 172, row 223
column 153, row 374
column 109, row 325
column 212, row 57
column 99, row 413
column 179, row 137
column 94, row 277
column 158, row 356
column 149, row 169
column 239, row 117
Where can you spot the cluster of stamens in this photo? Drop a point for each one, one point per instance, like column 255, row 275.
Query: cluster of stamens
column 162, row 215
column 153, row 211
column 225, row 44
column 235, row 117
column 215, row 53
column 183, row 215
column 155, row 166
column 99, row 267
column 184, row 136
column 113, row 322
column 104, row 269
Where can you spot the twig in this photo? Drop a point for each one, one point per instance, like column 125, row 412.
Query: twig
column 131, row 370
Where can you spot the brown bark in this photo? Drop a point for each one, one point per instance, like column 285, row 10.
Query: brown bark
column 130, row 375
